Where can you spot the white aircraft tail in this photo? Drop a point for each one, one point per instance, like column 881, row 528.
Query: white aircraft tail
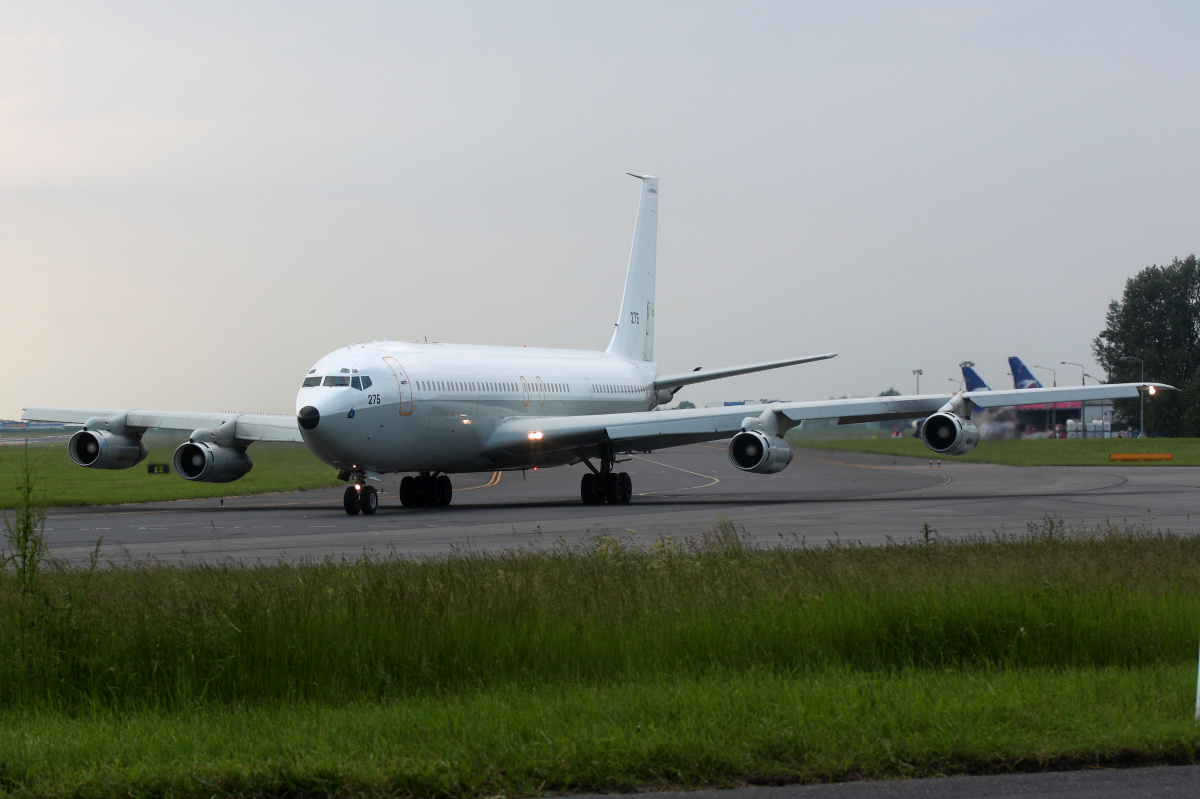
column 634, row 336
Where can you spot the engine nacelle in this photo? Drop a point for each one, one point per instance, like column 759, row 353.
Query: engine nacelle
column 755, row 451
column 949, row 434
column 206, row 462
column 101, row 449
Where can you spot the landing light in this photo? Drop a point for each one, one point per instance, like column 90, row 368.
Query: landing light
column 1151, row 391
column 466, row 421
column 536, row 435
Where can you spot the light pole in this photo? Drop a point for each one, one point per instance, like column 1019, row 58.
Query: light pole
column 1053, row 405
column 1082, row 406
column 918, row 373
column 1103, row 404
column 1141, row 396
column 957, row 382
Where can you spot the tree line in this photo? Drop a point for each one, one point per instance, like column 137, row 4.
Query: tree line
column 1156, row 324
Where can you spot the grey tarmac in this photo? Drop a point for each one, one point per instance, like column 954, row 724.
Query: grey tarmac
column 1132, row 783
column 822, row 496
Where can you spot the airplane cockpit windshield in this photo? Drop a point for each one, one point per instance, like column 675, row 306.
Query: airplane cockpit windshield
column 337, row 381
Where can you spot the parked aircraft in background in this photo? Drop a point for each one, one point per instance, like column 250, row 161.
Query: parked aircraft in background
column 1022, row 377
column 972, row 380
column 432, row 410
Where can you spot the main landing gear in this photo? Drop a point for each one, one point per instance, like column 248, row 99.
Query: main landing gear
column 362, row 498
column 605, row 485
column 426, row 491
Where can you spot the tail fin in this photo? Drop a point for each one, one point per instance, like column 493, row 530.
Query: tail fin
column 634, row 336
column 973, row 380
column 1022, row 377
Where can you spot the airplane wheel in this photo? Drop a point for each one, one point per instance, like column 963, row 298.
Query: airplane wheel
column 624, row 487
column 422, row 491
column 408, row 491
column 368, row 501
column 587, row 489
column 350, row 501
column 444, row 492
column 612, row 493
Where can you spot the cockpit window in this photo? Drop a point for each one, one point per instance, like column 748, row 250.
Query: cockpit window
column 337, row 380
column 309, row 382
column 366, row 381
column 356, row 383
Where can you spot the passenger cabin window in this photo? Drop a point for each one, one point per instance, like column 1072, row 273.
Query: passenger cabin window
column 337, row 380
column 309, row 382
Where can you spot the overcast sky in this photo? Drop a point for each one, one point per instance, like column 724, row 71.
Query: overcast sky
column 198, row 201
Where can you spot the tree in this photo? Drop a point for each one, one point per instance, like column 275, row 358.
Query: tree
column 891, row 392
column 1158, row 321
column 686, row 404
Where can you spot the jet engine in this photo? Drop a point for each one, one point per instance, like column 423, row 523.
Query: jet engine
column 102, row 449
column 949, row 434
column 206, row 462
column 755, row 451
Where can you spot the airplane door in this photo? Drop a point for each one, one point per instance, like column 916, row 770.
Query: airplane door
column 524, row 391
column 403, row 385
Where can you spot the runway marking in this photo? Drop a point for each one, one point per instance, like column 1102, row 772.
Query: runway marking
column 715, row 480
column 495, row 479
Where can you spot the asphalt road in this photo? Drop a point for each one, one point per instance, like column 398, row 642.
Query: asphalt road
column 1134, row 783
column 822, row 496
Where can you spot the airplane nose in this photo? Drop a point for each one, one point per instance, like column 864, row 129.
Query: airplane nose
column 309, row 417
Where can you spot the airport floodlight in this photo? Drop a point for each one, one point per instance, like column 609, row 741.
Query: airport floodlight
column 918, row 373
column 1142, row 421
column 1053, row 412
column 1053, row 372
column 1082, row 404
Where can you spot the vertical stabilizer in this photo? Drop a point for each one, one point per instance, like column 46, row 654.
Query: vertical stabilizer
column 634, row 336
column 1022, row 377
column 972, row 379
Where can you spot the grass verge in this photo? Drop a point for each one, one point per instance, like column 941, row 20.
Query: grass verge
column 717, row 729
column 277, row 467
column 1016, row 452
column 602, row 667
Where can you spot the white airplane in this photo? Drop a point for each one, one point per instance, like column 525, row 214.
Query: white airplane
column 432, row 410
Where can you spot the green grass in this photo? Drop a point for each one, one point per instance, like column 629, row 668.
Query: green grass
column 602, row 667
column 168, row 637
column 277, row 467
column 1016, row 452
column 715, row 729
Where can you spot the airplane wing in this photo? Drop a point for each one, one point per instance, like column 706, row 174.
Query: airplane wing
column 248, row 427
column 660, row 429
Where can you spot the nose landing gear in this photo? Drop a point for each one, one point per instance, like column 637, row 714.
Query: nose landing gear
column 360, row 498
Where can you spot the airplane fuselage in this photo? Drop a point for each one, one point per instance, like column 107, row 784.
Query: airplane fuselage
column 416, row 407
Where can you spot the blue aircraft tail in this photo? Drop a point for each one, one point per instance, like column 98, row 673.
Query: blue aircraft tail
column 973, row 380
column 1022, row 377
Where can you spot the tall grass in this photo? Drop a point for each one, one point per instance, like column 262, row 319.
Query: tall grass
column 175, row 637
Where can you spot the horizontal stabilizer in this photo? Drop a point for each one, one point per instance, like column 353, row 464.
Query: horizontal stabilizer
column 689, row 378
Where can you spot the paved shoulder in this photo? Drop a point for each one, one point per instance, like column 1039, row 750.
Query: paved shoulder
column 1132, row 783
